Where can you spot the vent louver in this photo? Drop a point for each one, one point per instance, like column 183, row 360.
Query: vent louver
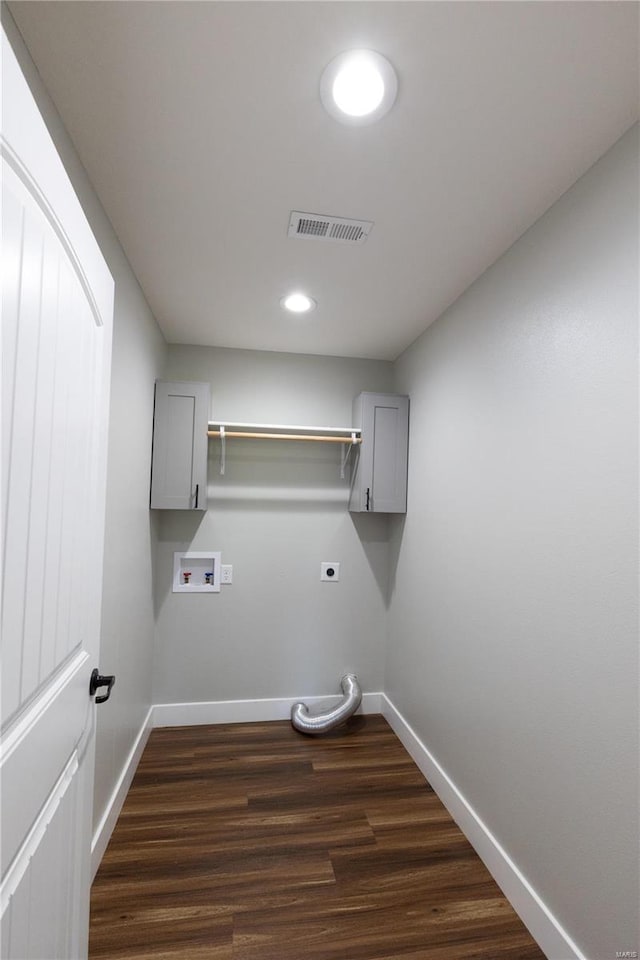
column 314, row 226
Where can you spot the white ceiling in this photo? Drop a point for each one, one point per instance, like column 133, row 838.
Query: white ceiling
column 201, row 128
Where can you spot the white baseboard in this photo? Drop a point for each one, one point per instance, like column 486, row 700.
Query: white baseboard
column 104, row 829
column 244, row 711
column 553, row 940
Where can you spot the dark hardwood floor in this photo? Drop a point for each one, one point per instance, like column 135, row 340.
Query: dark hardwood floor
column 253, row 842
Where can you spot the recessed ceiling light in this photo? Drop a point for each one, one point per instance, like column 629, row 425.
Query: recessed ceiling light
column 358, row 87
column 298, row 303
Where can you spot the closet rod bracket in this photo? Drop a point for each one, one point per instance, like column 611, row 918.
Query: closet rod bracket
column 223, row 451
column 346, row 451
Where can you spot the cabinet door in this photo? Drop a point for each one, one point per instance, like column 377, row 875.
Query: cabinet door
column 179, row 464
column 380, row 482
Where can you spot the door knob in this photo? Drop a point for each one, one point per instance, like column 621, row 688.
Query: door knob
column 97, row 681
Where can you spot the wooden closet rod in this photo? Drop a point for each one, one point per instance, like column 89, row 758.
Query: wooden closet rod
column 242, row 435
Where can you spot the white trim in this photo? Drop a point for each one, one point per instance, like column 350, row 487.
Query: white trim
column 243, row 711
column 19, row 728
column 103, row 831
column 552, row 938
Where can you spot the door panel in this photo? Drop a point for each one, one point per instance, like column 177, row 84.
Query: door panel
column 50, row 932
column 37, row 748
column 56, row 348
column 44, row 400
column 47, row 446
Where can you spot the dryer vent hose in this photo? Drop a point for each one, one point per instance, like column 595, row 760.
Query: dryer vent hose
column 305, row 722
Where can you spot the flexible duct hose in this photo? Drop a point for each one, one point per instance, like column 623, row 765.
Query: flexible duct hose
column 305, row 722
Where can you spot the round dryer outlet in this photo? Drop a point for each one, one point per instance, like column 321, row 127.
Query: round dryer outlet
column 330, row 571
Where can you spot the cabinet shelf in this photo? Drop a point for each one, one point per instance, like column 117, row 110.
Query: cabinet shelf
column 226, row 429
column 278, row 431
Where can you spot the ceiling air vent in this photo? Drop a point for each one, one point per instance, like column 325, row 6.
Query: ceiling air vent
column 314, row 226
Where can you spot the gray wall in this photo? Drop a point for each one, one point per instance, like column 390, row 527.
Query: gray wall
column 513, row 620
column 128, row 622
column 138, row 358
column 279, row 510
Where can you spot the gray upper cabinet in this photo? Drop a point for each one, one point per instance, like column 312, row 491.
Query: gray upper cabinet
column 379, row 479
column 179, row 462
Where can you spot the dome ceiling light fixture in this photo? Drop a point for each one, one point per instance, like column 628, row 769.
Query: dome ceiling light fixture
column 298, row 303
column 358, row 87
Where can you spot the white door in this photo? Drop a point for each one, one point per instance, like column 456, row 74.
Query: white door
column 57, row 306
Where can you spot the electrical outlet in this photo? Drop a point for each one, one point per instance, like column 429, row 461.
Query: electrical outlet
column 330, row 571
column 226, row 573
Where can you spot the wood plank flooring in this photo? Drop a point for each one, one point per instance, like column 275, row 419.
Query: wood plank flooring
column 253, row 842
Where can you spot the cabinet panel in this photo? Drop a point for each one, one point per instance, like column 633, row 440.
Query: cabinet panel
column 379, row 483
column 179, row 464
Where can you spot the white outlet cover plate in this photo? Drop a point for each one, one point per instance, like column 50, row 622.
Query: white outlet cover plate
column 328, row 565
column 226, row 573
